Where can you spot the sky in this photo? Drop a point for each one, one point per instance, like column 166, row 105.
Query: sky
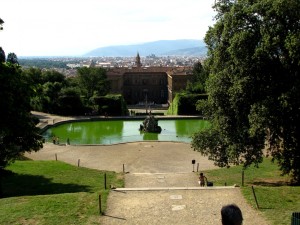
column 75, row 27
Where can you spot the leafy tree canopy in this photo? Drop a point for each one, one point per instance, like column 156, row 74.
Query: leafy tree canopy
column 253, row 85
column 53, row 76
column 12, row 58
column 18, row 131
column 93, row 81
column 197, row 83
column 54, row 93
column 1, row 22
column 2, row 55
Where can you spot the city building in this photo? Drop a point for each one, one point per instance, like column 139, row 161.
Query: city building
column 148, row 85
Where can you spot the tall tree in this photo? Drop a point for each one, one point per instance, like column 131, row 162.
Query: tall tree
column 1, row 23
column 18, row 131
column 2, row 55
column 197, row 83
column 93, row 81
column 12, row 58
column 254, row 84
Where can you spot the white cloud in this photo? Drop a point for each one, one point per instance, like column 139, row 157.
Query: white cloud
column 73, row 27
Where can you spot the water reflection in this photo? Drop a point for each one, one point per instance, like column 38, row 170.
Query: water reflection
column 150, row 136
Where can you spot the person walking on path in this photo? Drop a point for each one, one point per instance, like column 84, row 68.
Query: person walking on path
column 202, row 180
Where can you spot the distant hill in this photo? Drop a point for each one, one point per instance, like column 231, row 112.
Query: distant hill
column 159, row 48
column 197, row 51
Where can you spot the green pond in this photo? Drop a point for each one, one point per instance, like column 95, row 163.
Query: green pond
column 121, row 131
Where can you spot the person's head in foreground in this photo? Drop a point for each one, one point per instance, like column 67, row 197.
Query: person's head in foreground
column 231, row 215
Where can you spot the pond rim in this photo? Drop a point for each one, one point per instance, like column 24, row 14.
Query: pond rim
column 65, row 120
column 60, row 120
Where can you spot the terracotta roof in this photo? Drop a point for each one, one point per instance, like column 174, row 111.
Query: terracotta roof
column 169, row 70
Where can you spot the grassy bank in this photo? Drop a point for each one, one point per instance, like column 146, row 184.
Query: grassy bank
column 53, row 192
column 276, row 199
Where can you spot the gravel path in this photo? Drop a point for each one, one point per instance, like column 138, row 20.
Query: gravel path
column 175, row 207
column 157, row 165
column 138, row 157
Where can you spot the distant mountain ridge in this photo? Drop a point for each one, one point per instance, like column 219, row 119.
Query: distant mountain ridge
column 197, row 51
column 183, row 47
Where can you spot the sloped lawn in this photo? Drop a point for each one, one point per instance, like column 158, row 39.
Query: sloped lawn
column 53, row 192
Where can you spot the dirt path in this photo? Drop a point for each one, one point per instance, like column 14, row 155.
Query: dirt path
column 161, row 165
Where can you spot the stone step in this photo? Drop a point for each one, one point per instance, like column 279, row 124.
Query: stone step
column 172, row 188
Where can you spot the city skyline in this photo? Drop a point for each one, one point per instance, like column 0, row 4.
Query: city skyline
column 73, row 28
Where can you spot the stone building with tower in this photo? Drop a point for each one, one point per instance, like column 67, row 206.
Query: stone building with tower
column 152, row 85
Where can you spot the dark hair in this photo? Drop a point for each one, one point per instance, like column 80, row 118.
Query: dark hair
column 201, row 173
column 231, row 215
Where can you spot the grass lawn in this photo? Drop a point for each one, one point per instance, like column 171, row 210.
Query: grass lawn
column 53, row 192
column 276, row 199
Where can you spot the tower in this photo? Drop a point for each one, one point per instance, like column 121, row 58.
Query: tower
column 138, row 61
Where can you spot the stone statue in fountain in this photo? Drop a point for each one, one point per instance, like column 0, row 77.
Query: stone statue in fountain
column 150, row 124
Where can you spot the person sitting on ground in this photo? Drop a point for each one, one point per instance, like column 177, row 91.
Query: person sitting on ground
column 202, row 180
column 231, row 215
column 54, row 139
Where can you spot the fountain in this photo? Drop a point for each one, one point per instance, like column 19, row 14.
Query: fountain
column 150, row 125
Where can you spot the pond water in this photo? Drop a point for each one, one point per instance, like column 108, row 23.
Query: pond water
column 121, row 131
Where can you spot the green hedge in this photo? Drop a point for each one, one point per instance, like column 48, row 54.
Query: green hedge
column 70, row 105
column 111, row 105
column 185, row 104
column 173, row 108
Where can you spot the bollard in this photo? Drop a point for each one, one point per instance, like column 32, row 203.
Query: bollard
column 100, row 210
column 193, row 162
column 255, row 197
column 123, row 168
column 105, row 181
column 242, row 178
column 55, row 157
column 197, row 167
column 78, row 164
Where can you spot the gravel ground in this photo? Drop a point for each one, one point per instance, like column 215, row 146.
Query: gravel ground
column 154, row 164
column 175, row 207
column 138, row 157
